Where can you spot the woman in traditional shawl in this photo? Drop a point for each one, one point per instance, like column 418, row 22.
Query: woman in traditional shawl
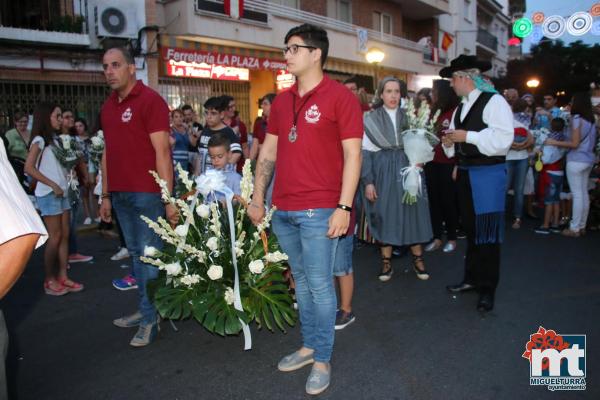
column 390, row 221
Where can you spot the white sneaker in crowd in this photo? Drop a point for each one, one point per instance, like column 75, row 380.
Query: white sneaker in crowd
column 87, row 221
column 121, row 254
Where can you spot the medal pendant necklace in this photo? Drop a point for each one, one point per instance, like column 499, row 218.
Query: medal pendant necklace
column 293, row 135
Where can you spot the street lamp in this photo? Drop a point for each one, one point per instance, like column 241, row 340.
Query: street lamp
column 533, row 83
column 375, row 56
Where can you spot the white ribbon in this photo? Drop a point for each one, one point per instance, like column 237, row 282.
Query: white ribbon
column 411, row 179
column 211, row 182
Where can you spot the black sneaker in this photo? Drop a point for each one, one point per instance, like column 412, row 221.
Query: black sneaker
column 343, row 319
column 555, row 229
column 542, row 231
column 460, row 234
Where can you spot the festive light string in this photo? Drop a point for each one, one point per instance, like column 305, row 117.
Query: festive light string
column 554, row 26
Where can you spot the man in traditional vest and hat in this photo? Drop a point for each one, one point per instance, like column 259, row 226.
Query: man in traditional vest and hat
column 480, row 135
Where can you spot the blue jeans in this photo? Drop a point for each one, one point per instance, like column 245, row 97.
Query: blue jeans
column 516, row 170
column 130, row 206
column 303, row 237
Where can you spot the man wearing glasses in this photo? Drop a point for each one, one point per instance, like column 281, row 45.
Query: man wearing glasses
column 314, row 142
column 214, row 113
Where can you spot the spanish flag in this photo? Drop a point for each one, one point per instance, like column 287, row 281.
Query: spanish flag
column 447, row 41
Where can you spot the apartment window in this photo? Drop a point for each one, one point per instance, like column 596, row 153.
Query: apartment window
column 503, row 38
column 382, row 22
column 287, row 3
column 344, row 8
column 467, row 10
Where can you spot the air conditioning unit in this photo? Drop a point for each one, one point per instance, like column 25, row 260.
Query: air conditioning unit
column 116, row 21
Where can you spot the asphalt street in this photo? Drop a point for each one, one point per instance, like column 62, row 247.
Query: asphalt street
column 411, row 339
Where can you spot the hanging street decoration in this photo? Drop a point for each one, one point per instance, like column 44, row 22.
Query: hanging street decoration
column 554, row 26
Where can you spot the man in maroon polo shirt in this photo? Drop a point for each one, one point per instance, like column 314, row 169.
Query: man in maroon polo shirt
column 135, row 121
column 314, row 142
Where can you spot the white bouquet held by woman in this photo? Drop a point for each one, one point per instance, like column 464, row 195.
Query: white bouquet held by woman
column 418, row 141
column 96, row 149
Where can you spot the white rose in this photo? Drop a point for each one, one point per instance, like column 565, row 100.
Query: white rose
column 229, row 296
column 182, row 230
column 100, row 134
column 215, row 272
column 96, row 141
column 203, row 211
column 256, row 266
column 173, row 269
column 150, row 251
column 212, row 243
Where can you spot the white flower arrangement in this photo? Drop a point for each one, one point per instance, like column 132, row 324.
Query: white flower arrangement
column 196, row 261
column 418, row 141
column 96, row 149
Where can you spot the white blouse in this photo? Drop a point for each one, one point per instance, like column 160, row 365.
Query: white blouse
column 495, row 140
column 18, row 217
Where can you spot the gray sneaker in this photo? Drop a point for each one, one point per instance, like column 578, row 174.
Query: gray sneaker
column 145, row 335
column 129, row 321
column 318, row 380
column 295, row 361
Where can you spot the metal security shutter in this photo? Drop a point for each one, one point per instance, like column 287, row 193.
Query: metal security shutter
column 84, row 99
column 195, row 92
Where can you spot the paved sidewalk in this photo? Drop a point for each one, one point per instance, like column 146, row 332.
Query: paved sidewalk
column 411, row 339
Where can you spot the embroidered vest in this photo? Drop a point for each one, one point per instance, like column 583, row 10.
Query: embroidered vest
column 467, row 153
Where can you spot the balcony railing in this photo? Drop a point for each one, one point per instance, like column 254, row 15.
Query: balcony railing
column 48, row 16
column 487, row 39
column 257, row 8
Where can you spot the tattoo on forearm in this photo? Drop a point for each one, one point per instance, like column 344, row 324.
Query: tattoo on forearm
column 263, row 176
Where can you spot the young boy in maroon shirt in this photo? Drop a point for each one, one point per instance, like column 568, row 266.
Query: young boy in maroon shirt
column 314, row 141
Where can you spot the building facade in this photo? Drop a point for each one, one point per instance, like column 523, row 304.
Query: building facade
column 190, row 50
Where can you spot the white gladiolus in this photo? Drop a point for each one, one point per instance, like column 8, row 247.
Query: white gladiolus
column 150, row 251
column 203, row 211
column 212, row 243
column 229, row 296
column 190, row 280
column 182, row 230
column 173, row 269
column 215, row 272
column 256, row 266
column 276, row 257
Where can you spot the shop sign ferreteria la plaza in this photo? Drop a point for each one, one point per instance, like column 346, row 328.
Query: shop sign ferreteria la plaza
column 192, row 63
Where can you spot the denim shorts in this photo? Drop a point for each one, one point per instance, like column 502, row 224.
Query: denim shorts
column 52, row 205
column 552, row 195
column 342, row 264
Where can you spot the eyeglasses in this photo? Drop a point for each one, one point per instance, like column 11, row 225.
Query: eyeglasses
column 293, row 49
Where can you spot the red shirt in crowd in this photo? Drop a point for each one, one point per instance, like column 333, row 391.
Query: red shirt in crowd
column 259, row 130
column 443, row 123
column 127, row 126
column 308, row 172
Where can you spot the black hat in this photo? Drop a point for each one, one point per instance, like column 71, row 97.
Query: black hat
column 462, row 63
